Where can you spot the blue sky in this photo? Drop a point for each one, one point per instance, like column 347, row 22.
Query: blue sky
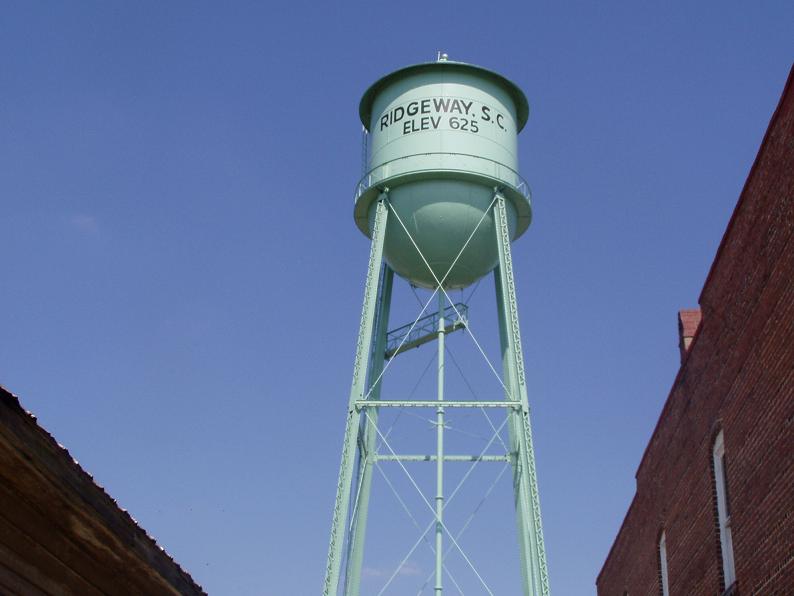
column 182, row 276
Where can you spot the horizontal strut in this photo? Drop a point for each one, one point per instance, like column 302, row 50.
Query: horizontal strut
column 468, row 458
column 383, row 403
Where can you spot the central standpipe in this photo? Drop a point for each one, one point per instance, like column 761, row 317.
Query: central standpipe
column 440, row 450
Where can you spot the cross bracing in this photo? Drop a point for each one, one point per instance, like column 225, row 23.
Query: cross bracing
column 367, row 447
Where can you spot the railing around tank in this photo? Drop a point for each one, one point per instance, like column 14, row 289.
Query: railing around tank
column 401, row 166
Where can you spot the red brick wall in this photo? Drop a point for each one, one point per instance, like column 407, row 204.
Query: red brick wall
column 688, row 322
column 739, row 377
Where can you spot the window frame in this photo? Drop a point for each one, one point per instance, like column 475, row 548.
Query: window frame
column 664, row 583
column 723, row 511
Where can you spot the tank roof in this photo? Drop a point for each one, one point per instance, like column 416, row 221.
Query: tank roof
column 522, row 105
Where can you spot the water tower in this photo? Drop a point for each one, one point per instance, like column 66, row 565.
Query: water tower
column 441, row 201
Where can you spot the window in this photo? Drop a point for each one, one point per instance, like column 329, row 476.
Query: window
column 663, row 566
column 723, row 511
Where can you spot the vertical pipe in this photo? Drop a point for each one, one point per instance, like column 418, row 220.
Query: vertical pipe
column 440, row 450
column 364, row 150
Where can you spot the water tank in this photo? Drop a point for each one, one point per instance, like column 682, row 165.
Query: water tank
column 442, row 138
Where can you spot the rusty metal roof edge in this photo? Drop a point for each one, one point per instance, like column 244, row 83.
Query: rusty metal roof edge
column 14, row 400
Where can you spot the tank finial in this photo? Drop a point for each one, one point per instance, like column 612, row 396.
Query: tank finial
column 442, row 56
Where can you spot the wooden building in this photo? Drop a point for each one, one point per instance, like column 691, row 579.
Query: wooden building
column 61, row 533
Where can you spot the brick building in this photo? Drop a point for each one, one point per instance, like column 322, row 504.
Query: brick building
column 714, row 507
column 60, row 532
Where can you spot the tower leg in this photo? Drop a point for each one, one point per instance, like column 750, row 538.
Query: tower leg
column 527, row 501
column 368, row 437
column 360, row 368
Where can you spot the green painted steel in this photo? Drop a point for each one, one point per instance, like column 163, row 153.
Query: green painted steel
column 415, row 403
column 530, row 529
column 366, row 456
column 360, row 366
column 442, row 137
column 458, row 458
column 425, row 330
column 441, row 203
column 439, row 585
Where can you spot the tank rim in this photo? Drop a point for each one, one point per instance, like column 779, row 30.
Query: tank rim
column 521, row 203
column 518, row 97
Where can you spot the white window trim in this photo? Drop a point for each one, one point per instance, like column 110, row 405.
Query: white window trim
column 663, row 565
column 726, row 541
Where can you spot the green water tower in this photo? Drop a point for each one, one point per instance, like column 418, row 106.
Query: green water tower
column 442, row 138
column 441, row 201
